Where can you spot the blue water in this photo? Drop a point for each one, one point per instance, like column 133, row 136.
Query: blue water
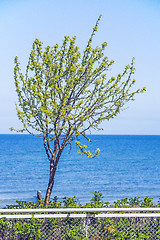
column 127, row 166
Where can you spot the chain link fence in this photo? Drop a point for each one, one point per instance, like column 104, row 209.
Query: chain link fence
column 80, row 224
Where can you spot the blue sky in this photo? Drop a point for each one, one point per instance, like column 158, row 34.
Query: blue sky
column 131, row 28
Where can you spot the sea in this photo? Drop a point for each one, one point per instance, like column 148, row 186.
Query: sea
column 127, row 166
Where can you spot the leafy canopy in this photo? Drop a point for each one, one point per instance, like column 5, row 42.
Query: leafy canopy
column 63, row 94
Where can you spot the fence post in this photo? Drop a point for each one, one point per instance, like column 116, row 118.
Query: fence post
column 86, row 226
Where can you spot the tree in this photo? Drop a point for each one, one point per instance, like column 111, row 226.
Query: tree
column 63, row 95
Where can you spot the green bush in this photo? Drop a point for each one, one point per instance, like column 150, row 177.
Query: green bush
column 82, row 228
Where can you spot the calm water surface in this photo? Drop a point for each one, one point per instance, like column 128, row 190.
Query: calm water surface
column 127, row 166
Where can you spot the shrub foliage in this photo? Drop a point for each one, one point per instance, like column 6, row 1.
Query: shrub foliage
column 82, row 228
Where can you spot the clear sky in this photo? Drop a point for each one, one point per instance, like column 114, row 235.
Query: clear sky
column 131, row 28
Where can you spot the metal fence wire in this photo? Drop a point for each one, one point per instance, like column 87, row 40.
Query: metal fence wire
column 93, row 224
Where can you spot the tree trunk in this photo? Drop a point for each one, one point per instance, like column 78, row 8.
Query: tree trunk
column 48, row 192
column 53, row 168
column 51, row 182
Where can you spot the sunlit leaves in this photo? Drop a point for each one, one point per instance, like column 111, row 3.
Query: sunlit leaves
column 64, row 93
